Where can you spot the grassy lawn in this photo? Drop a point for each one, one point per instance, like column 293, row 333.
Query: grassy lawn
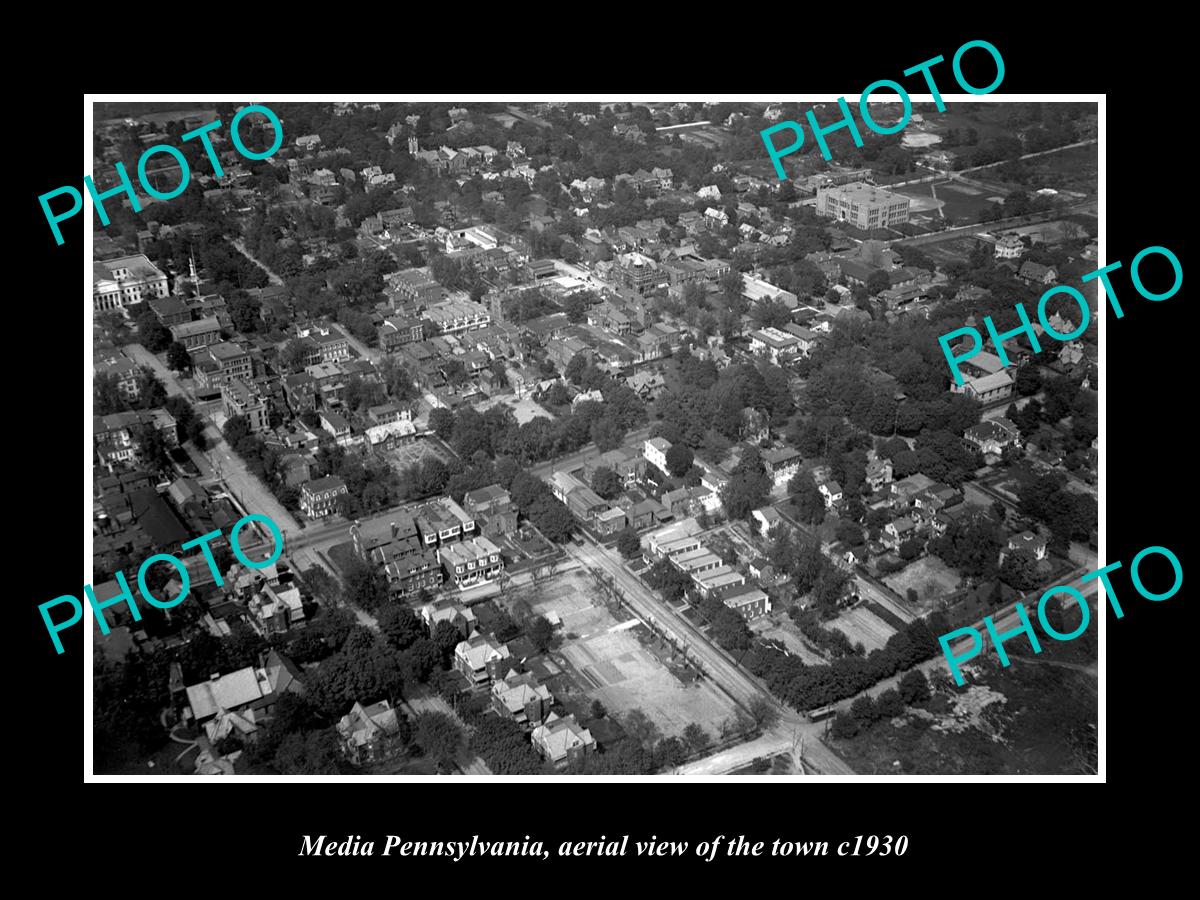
column 163, row 759
column 341, row 555
column 964, row 203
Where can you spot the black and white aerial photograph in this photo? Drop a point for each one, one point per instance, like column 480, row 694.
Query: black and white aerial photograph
column 585, row 438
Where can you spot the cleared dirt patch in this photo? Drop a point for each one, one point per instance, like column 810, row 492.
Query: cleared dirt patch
column 617, row 661
column 861, row 626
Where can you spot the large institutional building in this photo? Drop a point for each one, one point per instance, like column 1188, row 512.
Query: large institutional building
column 129, row 279
column 863, row 205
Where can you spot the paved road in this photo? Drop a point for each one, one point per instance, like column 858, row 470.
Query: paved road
column 228, row 466
column 588, row 451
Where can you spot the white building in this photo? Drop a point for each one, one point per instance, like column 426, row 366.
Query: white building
column 655, row 451
column 128, row 279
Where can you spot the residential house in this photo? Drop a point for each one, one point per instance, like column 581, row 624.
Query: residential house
column 521, row 698
column 480, row 658
column 831, row 491
column 370, row 733
column 320, row 498
column 472, row 562
column 748, row 601
column 765, row 519
column 242, row 701
column 1036, row 273
column 461, row 617
column 991, row 436
column 562, row 740
column 1029, row 542
column 655, row 451
column 494, row 508
column 879, row 473
column 782, row 464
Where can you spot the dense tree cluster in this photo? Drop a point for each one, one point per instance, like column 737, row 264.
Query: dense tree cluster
column 806, row 687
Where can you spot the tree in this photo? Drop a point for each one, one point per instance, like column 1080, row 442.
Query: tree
column 598, row 711
column 748, row 486
column 446, row 637
column 845, row 726
column 696, row 738
column 679, row 459
column 400, row 626
column 639, row 727
column 1019, row 570
column 877, row 281
column 540, row 632
column 606, row 482
column 810, row 504
column 863, row 709
column 310, row 753
column 152, row 334
column 442, row 421
column 365, row 670
column 439, row 737
column 914, row 688
column 178, row 358
column 889, row 705
column 911, row 548
column 764, row 713
column 628, row 544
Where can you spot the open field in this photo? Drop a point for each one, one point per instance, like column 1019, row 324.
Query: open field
column 861, row 626
column 956, row 248
column 958, row 202
column 526, row 409
column 789, row 636
column 613, row 658
column 1074, row 169
column 929, row 576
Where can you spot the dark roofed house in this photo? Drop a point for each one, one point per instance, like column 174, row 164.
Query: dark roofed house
column 1036, row 273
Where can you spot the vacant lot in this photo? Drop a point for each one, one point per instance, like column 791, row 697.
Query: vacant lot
column 414, row 452
column 861, row 626
column 929, row 576
column 954, row 249
column 613, row 658
column 525, row 409
column 1022, row 720
column 785, row 633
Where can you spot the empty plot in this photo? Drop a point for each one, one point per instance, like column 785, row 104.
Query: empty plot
column 928, row 576
column 861, row 626
column 614, row 666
